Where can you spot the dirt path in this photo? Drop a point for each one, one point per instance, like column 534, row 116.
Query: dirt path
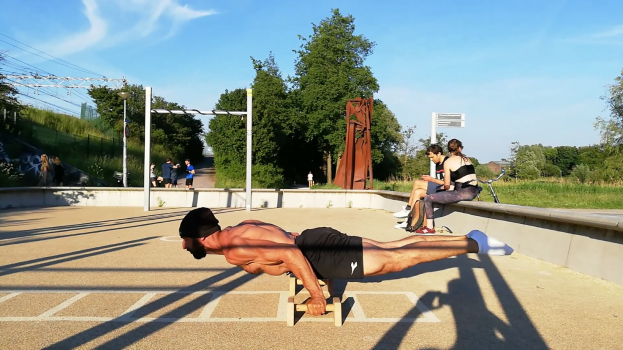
column 205, row 174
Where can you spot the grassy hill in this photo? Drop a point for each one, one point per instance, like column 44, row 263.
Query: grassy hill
column 84, row 144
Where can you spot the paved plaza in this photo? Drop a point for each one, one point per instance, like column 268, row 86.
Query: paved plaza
column 117, row 277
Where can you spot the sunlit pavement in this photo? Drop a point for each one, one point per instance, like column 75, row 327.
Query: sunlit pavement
column 84, row 277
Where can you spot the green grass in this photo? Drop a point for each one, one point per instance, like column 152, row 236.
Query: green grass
column 82, row 144
column 544, row 193
column 564, row 194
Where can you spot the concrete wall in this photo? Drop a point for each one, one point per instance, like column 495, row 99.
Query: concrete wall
column 584, row 243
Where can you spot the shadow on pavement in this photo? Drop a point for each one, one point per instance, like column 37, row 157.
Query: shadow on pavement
column 65, row 257
column 103, row 226
column 144, row 330
column 476, row 326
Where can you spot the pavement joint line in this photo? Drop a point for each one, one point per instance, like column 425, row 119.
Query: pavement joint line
column 282, row 308
column 63, row 305
column 202, row 320
column 140, row 303
column 207, row 311
column 356, row 306
column 10, row 296
column 423, row 309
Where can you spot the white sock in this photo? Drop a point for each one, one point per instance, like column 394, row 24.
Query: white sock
column 489, row 245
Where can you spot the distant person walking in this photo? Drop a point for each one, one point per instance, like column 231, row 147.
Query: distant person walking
column 45, row 172
column 174, row 175
column 310, row 179
column 190, row 173
column 152, row 174
column 59, row 172
column 166, row 173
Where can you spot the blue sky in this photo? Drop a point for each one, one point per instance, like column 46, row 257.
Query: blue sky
column 527, row 71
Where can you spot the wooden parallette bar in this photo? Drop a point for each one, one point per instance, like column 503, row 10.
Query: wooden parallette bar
column 335, row 306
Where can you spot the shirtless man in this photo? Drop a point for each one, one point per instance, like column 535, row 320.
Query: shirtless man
column 320, row 253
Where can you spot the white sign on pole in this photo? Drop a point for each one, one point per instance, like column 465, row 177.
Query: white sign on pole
column 452, row 120
column 443, row 120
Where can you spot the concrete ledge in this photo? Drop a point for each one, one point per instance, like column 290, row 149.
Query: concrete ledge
column 589, row 244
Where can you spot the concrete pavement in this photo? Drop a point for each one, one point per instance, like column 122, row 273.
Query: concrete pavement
column 85, row 277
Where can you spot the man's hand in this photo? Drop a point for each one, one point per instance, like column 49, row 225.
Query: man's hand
column 316, row 306
column 427, row 177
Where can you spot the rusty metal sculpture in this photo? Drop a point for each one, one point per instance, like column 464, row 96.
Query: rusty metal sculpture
column 355, row 166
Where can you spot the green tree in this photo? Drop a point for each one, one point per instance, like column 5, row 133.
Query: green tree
column 386, row 138
column 611, row 127
column 593, row 156
column 551, row 170
column 442, row 141
column 329, row 71
column 179, row 133
column 8, row 94
column 566, row 159
column 550, row 154
column 581, row 172
column 227, row 135
column 527, row 164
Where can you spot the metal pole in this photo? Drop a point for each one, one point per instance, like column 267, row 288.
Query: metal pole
column 249, row 145
column 433, row 139
column 125, row 148
column 147, row 148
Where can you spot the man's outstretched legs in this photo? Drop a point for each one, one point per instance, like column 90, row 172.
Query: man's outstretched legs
column 380, row 260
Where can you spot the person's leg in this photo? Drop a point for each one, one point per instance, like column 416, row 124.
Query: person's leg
column 417, row 195
column 418, row 191
column 447, row 197
column 412, row 239
column 379, row 261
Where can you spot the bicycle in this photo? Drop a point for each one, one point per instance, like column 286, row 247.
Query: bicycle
column 490, row 183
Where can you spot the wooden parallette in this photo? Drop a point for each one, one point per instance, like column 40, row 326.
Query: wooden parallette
column 335, row 306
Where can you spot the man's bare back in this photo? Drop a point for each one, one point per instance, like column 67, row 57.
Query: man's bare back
column 242, row 245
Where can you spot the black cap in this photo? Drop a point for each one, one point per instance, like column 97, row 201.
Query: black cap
column 199, row 222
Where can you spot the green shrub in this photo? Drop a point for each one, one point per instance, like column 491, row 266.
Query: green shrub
column 550, row 170
column 581, row 172
column 484, row 173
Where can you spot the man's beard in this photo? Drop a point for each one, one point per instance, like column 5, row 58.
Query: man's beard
column 198, row 252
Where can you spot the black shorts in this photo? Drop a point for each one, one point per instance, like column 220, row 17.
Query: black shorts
column 332, row 254
column 189, row 182
column 166, row 181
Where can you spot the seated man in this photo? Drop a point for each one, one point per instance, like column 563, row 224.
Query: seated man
column 428, row 185
column 320, row 253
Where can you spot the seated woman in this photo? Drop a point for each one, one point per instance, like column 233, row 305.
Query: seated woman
column 458, row 171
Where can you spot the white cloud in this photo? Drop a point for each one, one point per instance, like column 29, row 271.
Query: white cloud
column 81, row 41
column 610, row 36
column 122, row 21
column 613, row 32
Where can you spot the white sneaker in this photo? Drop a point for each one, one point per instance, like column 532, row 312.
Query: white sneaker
column 489, row 245
column 402, row 226
column 401, row 214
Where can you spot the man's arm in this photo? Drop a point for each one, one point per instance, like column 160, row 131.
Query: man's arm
column 432, row 179
column 270, row 253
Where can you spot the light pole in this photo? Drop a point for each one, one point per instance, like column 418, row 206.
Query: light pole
column 124, row 95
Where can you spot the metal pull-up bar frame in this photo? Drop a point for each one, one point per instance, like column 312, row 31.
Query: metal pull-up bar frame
column 149, row 111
